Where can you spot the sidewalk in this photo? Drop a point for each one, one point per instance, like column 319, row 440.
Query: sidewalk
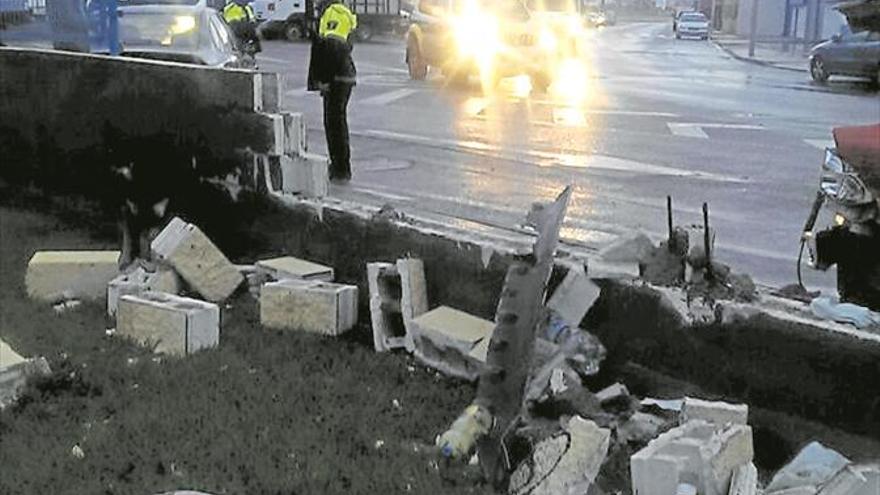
column 769, row 54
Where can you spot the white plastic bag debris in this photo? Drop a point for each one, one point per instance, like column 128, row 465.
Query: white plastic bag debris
column 830, row 308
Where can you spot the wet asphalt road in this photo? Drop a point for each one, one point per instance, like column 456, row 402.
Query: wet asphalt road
column 662, row 116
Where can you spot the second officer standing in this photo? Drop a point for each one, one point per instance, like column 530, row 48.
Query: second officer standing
column 332, row 72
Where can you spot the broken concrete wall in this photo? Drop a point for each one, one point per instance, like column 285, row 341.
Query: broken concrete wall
column 64, row 117
column 760, row 358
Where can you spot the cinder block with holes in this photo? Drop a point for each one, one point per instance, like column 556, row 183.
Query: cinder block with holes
column 452, row 341
column 309, row 305
column 54, row 275
column 174, row 325
column 197, row 260
column 398, row 293
column 139, row 281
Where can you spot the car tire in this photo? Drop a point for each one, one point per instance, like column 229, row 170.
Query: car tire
column 818, row 71
column 293, row 32
column 415, row 62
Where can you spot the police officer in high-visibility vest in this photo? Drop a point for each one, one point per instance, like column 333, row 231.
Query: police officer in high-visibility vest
column 332, row 72
column 241, row 18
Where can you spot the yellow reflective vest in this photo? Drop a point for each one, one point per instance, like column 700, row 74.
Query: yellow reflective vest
column 337, row 21
column 234, row 12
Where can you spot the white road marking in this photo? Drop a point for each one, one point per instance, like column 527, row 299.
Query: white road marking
column 694, row 130
column 821, row 143
column 544, row 158
column 380, row 194
column 389, row 97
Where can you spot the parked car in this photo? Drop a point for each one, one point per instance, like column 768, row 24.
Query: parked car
column 850, row 54
column 296, row 19
column 178, row 32
column 691, row 25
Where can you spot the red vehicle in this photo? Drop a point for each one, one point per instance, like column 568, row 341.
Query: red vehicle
column 849, row 188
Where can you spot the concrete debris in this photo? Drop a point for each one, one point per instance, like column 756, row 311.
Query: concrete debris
column 745, row 480
column 858, row 479
column 67, row 305
column 665, row 264
column 197, row 260
column 640, row 428
column 398, row 293
column 288, row 267
column 486, row 253
column 574, row 296
column 15, row 371
column 175, row 325
column 814, row 465
column 615, row 397
column 305, row 174
column 77, row 452
column 697, row 453
column 309, row 305
column 798, row 490
column 60, row 275
column 139, row 281
column 671, row 405
column 452, row 341
column 564, row 464
column 629, row 248
column 719, row 413
column 581, row 349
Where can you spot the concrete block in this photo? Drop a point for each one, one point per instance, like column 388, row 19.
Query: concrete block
column 15, row 371
column 174, row 325
column 574, row 296
column 288, row 267
column 449, row 340
column 386, row 312
column 558, row 470
column 197, row 260
column 859, row 479
column 311, row 306
column 295, row 135
column 716, row 412
column 696, row 453
column 139, row 281
column 814, row 465
column 306, row 174
column 54, row 275
column 611, row 393
column 630, row 248
column 744, row 480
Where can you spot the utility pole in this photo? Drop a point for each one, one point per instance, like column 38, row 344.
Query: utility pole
column 753, row 28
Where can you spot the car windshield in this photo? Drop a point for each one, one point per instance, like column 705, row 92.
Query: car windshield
column 693, row 18
column 158, row 29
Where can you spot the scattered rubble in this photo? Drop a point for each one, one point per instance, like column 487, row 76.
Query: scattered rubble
column 640, row 428
column 309, row 305
column 631, row 248
column 62, row 275
column 744, row 480
column 854, row 479
column 139, row 281
column 697, row 453
column 15, row 371
column 452, row 341
column 814, row 465
column 172, row 324
column 197, row 260
column 574, row 296
column 719, row 413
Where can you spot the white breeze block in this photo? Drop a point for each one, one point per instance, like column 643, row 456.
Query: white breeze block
column 744, row 480
column 175, row 325
column 450, row 341
column 386, row 320
column 305, row 174
column 854, row 479
column 696, row 453
column 574, row 296
column 288, row 267
column 311, row 306
column 719, row 413
column 15, row 371
column 197, row 260
column 54, row 275
column 139, row 281
column 413, row 294
column 295, row 134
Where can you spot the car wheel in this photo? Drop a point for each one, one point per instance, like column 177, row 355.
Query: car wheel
column 293, row 32
column 418, row 68
column 364, row 33
column 818, row 71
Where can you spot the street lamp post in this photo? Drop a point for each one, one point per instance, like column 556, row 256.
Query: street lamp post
column 753, row 28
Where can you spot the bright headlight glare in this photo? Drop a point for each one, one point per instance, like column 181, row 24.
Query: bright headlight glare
column 547, row 40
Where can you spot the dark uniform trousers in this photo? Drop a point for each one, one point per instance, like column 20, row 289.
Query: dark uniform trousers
column 336, row 128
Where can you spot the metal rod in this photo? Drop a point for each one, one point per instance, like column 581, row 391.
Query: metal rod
column 753, row 28
column 706, row 242
column 669, row 217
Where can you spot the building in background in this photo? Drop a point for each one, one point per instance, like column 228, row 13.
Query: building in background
column 803, row 20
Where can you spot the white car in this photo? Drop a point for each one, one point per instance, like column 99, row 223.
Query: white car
column 692, row 25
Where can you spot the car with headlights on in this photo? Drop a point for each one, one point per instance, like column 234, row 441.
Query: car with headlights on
column 491, row 39
column 178, row 31
column 692, row 25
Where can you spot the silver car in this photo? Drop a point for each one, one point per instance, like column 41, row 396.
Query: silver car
column 692, row 25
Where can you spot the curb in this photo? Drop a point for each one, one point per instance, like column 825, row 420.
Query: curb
column 763, row 63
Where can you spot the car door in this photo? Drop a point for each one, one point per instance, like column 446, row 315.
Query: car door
column 847, row 59
column 223, row 42
column 868, row 55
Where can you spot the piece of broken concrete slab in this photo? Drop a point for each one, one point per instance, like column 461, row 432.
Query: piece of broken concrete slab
column 197, row 260
column 628, row 248
column 138, row 281
column 814, row 465
column 744, row 480
column 565, row 463
column 171, row 324
column 452, row 341
column 58, row 275
column 574, row 296
column 854, row 479
column 290, row 267
column 309, row 305
column 716, row 412
column 15, row 371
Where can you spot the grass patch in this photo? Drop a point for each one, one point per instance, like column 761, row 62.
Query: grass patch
column 266, row 412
